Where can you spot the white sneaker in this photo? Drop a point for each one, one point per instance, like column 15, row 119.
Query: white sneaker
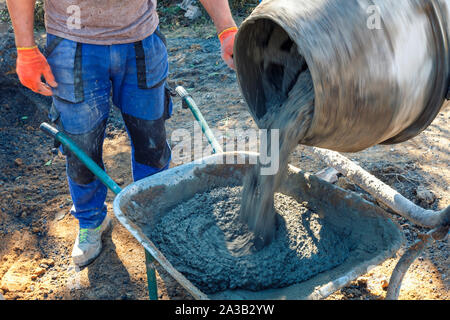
column 88, row 244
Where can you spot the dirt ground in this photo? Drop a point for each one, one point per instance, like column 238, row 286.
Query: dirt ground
column 37, row 233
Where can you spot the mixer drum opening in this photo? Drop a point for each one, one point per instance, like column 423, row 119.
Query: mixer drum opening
column 269, row 64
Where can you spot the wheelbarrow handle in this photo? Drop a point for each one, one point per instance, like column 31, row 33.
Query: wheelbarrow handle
column 82, row 156
column 190, row 103
column 48, row 129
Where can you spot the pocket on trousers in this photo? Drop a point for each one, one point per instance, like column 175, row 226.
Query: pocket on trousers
column 65, row 59
column 151, row 62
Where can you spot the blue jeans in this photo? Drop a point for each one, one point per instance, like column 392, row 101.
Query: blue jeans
column 87, row 74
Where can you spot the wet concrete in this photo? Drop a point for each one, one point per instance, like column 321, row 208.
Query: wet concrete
column 370, row 234
column 203, row 238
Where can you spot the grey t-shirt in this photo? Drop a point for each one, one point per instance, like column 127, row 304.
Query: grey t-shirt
column 102, row 22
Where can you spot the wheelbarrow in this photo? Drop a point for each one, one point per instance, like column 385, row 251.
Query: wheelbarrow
column 138, row 214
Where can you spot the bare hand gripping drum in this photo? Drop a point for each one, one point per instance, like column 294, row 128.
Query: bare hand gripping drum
column 374, row 84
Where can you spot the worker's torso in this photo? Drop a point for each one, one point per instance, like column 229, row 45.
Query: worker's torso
column 101, row 21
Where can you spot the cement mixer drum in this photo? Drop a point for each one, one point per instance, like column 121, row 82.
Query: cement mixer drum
column 374, row 83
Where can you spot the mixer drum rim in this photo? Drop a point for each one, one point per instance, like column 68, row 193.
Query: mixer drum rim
column 436, row 103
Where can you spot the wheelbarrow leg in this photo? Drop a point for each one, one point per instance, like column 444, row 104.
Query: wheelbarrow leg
column 151, row 276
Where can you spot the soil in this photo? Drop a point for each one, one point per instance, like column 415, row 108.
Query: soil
column 37, row 233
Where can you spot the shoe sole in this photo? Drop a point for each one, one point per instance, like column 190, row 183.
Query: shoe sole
column 87, row 262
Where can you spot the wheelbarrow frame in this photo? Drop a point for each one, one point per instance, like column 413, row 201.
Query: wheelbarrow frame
column 172, row 177
column 438, row 221
column 126, row 203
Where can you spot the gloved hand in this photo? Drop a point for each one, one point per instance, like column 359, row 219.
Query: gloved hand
column 226, row 38
column 31, row 66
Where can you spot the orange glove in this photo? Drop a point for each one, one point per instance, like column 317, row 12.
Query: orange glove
column 226, row 38
column 31, row 66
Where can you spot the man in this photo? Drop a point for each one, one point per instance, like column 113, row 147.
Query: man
column 95, row 48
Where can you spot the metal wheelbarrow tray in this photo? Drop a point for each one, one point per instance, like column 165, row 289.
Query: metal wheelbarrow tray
column 140, row 206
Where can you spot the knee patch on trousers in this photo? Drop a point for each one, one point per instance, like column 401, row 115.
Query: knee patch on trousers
column 149, row 141
column 91, row 143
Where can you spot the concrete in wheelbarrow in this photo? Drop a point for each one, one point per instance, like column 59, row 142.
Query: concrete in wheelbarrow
column 142, row 204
